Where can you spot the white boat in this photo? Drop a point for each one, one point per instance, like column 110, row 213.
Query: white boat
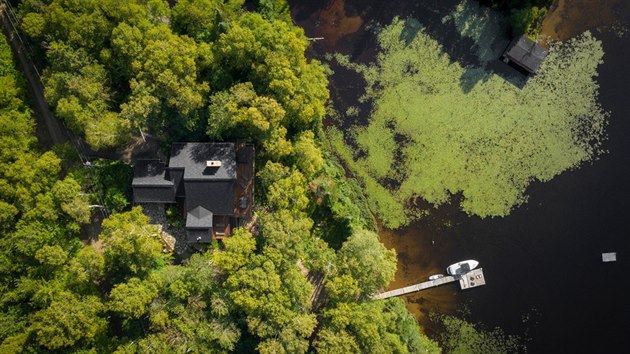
column 436, row 276
column 462, row 267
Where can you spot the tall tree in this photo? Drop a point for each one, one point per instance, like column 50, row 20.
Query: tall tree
column 69, row 320
column 241, row 113
column 204, row 19
column 132, row 246
column 165, row 91
column 366, row 259
column 270, row 54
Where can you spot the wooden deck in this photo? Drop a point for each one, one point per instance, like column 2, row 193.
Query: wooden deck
column 243, row 198
column 472, row 279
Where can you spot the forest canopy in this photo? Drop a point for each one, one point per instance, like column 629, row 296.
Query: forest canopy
column 115, row 67
column 202, row 70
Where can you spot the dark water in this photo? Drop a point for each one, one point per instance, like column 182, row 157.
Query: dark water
column 545, row 278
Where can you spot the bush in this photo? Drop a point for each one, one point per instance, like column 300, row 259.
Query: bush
column 115, row 200
column 528, row 21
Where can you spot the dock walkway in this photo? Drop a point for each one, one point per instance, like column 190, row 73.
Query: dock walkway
column 472, row 279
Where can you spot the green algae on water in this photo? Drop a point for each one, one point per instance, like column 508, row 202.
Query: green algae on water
column 432, row 135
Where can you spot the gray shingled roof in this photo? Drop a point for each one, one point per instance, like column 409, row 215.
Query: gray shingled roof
column 199, row 218
column 526, row 53
column 192, row 158
column 150, row 173
column 150, row 183
column 218, row 196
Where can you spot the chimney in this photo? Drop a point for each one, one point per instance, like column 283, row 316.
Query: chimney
column 213, row 163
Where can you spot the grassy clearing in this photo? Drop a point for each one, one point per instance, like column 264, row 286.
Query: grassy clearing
column 467, row 129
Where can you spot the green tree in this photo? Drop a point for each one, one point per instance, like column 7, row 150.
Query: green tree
column 77, row 86
column 205, row 19
column 238, row 249
column 375, row 327
column 366, row 259
column 289, row 193
column 131, row 299
column 165, row 91
column 308, row 157
column 69, row 320
column 274, row 300
column 192, row 312
column 241, row 113
column 115, row 199
column 88, row 266
column 68, row 194
column 132, row 246
column 332, row 342
column 274, row 10
column 343, row 289
column 270, row 54
column 287, row 232
column 29, row 176
column 527, row 20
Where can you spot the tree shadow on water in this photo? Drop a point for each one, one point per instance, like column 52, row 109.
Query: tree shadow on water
column 475, row 74
column 410, row 30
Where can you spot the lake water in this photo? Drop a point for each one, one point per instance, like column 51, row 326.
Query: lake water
column 544, row 273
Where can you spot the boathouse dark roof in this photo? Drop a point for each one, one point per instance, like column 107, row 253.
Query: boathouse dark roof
column 525, row 53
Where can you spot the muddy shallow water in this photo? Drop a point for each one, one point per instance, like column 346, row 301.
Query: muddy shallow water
column 545, row 278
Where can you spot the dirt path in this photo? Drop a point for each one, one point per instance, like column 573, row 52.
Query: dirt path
column 50, row 130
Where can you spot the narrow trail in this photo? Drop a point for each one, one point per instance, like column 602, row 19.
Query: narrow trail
column 50, row 130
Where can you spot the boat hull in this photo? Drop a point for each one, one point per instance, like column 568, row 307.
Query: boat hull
column 462, row 267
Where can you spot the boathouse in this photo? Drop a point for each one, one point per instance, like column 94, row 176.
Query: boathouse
column 525, row 54
column 213, row 183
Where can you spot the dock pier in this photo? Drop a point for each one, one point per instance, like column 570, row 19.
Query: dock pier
column 468, row 280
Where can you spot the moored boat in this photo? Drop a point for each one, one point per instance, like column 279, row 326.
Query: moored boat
column 436, row 276
column 462, row 267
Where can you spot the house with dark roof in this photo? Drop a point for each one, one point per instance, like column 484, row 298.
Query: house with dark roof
column 213, row 182
column 525, row 54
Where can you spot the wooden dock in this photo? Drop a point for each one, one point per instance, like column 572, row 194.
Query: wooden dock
column 472, row 279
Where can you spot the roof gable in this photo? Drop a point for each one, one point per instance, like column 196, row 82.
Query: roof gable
column 199, row 218
column 526, row 53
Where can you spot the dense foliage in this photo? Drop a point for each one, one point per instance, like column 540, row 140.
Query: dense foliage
column 526, row 16
column 114, row 67
column 203, row 69
column 438, row 129
column 44, row 303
